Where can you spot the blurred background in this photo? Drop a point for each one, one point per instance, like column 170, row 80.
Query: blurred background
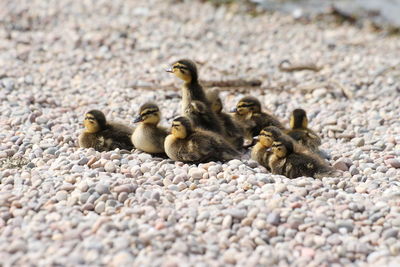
column 381, row 14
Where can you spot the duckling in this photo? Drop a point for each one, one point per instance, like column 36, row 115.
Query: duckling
column 103, row 135
column 262, row 149
column 285, row 161
column 148, row 136
column 249, row 114
column 196, row 145
column 186, row 70
column 232, row 130
column 201, row 117
column 301, row 133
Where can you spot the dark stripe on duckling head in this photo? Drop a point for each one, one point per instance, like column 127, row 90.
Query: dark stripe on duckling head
column 185, row 122
column 99, row 117
column 148, row 105
column 282, row 140
column 272, row 131
column 188, row 65
column 148, row 112
column 249, row 101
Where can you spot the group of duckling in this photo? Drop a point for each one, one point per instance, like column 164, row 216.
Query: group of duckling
column 205, row 133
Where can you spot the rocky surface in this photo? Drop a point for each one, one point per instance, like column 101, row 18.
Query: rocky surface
column 61, row 205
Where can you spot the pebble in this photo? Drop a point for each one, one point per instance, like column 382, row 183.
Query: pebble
column 100, row 207
column 236, row 213
column 390, row 233
column 61, row 195
column 358, row 142
column 273, row 218
column 340, row 165
column 122, row 258
column 109, row 167
column 102, row 188
column 394, row 163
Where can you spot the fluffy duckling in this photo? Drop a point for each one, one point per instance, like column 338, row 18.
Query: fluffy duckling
column 148, row 136
column 248, row 113
column 196, row 145
column 285, row 161
column 103, row 135
column 301, row 133
column 232, row 131
column 186, row 70
column 261, row 151
column 202, row 118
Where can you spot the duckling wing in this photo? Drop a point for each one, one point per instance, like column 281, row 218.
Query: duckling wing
column 232, row 129
column 306, row 138
column 196, row 149
column 118, row 136
column 87, row 140
column 265, row 119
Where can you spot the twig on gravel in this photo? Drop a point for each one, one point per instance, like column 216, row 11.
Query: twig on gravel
column 226, row 84
column 385, row 70
column 286, row 66
column 232, row 83
column 347, row 93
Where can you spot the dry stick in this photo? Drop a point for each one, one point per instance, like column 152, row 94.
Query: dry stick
column 232, row 83
column 387, row 69
column 330, row 84
column 227, row 84
column 297, row 67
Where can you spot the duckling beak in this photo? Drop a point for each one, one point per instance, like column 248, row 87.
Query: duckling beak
column 256, row 138
column 233, row 110
column 138, row 119
column 269, row 149
column 169, row 70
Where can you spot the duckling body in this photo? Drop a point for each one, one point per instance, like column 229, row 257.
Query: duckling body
column 301, row 133
column 285, row 161
column 148, row 136
column 103, row 135
column 201, row 117
column 261, row 151
column 248, row 113
column 232, row 131
column 186, row 70
column 196, row 145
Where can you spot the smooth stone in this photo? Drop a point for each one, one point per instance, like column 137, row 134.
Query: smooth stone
column 122, row 258
column 109, row 167
column 61, row 195
column 358, row 142
column 390, row 233
column 395, row 163
column 102, row 188
column 77, row 169
column 340, row 165
column 273, row 218
column 84, row 197
column 100, row 207
column 227, row 222
column 236, row 213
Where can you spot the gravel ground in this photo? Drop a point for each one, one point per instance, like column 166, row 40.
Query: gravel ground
column 61, row 205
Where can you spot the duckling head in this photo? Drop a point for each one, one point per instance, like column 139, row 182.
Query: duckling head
column 268, row 135
column 94, row 121
column 181, row 127
column 215, row 100
column 298, row 119
column 149, row 113
column 248, row 105
column 185, row 70
column 282, row 147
